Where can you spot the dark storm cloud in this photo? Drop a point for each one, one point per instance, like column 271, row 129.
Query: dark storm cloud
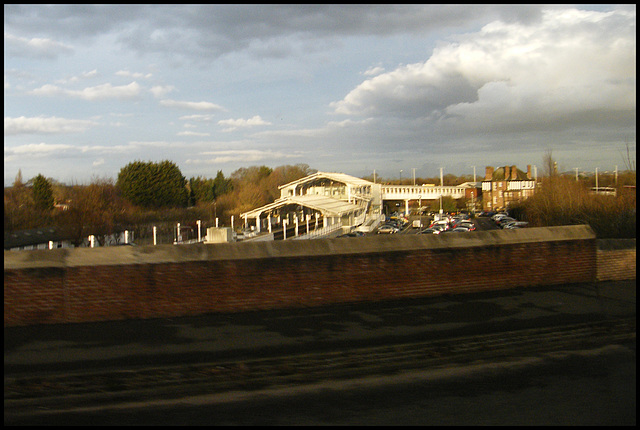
column 213, row 30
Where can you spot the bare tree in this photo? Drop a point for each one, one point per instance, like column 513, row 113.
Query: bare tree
column 549, row 164
column 629, row 162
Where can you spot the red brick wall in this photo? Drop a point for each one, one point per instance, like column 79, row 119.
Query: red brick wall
column 379, row 270
column 616, row 264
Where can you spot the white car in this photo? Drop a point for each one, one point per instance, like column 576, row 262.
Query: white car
column 387, row 229
column 516, row 224
column 498, row 216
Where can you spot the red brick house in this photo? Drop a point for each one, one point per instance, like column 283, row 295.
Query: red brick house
column 504, row 185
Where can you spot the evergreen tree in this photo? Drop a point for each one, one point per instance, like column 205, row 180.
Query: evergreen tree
column 201, row 190
column 153, row 185
column 42, row 193
column 221, row 185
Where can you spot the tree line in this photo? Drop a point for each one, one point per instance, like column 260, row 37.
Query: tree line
column 146, row 193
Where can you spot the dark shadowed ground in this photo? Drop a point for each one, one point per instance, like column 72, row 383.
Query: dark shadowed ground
column 578, row 387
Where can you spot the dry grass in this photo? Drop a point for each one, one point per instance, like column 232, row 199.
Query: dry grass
column 563, row 201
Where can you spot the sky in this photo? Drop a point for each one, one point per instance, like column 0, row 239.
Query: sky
column 397, row 89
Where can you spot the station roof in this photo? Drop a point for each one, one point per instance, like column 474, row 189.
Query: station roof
column 337, row 177
column 326, row 205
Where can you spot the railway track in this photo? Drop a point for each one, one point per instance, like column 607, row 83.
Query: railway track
column 56, row 392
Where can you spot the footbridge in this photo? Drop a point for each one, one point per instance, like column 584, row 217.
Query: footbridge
column 409, row 193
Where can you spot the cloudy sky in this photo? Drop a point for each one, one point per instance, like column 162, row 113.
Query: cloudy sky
column 343, row 88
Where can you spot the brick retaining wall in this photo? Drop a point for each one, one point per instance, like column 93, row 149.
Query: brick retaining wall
column 616, row 259
column 80, row 285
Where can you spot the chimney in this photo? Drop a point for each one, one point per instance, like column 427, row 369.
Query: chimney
column 528, row 171
column 514, row 173
column 488, row 173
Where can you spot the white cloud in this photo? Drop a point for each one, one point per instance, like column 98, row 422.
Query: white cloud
column 191, row 105
column 234, row 124
column 34, row 47
column 34, row 150
column 99, row 92
column 197, row 117
column 135, row 75
column 44, row 125
column 248, row 155
column 512, row 73
column 372, row 71
column 161, row 90
column 192, row 133
column 85, row 75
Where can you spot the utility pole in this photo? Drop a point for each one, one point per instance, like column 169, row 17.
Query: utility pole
column 441, row 185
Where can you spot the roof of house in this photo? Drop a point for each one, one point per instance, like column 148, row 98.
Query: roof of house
column 33, row 237
column 500, row 175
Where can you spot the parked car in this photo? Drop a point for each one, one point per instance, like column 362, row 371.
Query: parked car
column 460, row 229
column 442, row 223
column 516, row 224
column 353, row 234
column 436, row 229
column 441, row 228
column 388, row 229
column 486, row 214
column 498, row 216
column 466, row 224
column 504, row 221
column 461, row 216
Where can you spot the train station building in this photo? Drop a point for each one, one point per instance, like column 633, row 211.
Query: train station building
column 319, row 204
